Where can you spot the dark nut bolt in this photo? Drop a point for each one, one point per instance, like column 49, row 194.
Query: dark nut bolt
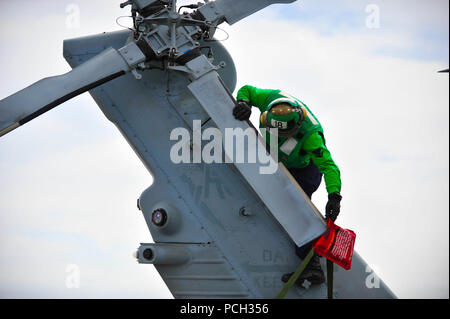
column 148, row 254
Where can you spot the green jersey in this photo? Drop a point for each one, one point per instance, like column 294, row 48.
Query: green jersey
column 307, row 144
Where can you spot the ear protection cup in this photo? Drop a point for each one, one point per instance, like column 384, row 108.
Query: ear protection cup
column 263, row 119
column 303, row 114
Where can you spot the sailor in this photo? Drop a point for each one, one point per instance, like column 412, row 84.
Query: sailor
column 302, row 149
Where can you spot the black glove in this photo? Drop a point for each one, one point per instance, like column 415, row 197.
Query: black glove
column 333, row 206
column 242, row 110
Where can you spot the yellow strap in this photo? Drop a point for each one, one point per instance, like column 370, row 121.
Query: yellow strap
column 295, row 276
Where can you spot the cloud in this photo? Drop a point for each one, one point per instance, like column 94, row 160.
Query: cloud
column 373, row 108
column 423, row 23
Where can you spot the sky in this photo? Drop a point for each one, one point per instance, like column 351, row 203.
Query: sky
column 367, row 69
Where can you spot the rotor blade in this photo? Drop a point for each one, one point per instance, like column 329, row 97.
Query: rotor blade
column 47, row 93
column 443, row 71
column 235, row 10
column 293, row 210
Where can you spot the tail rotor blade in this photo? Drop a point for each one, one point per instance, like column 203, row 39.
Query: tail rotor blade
column 234, row 10
column 47, row 93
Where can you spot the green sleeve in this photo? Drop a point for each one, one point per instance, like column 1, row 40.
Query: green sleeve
column 321, row 157
column 254, row 95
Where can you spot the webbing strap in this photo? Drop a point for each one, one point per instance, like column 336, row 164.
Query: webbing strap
column 296, row 274
column 330, row 278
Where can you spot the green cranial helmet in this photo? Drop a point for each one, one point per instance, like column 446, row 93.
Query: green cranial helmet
column 284, row 114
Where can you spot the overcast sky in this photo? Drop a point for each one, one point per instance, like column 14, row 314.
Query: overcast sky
column 69, row 181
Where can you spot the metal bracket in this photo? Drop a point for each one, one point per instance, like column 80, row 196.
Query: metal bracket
column 133, row 56
column 197, row 67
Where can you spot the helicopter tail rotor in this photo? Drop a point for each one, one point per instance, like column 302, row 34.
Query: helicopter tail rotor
column 48, row 93
column 234, row 10
column 149, row 44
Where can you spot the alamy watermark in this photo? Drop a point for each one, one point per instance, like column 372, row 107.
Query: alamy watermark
column 373, row 19
column 237, row 150
column 73, row 276
column 73, row 16
column 372, row 280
